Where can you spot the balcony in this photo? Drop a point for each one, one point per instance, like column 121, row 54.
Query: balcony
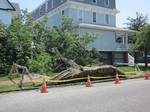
column 122, row 47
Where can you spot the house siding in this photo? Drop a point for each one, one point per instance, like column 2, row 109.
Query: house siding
column 87, row 17
column 4, row 4
column 5, row 17
column 105, row 40
column 55, row 20
column 5, row 13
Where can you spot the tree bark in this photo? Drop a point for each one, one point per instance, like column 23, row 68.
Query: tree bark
column 135, row 57
column 146, row 63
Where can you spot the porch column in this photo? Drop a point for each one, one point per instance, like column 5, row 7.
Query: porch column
column 127, row 39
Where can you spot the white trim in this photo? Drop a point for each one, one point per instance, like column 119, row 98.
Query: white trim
column 93, row 8
column 101, row 27
column 80, row 6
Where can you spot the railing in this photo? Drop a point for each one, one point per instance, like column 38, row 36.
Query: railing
column 121, row 46
column 131, row 60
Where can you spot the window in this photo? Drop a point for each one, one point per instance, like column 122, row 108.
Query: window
column 42, row 9
column 107, row 3
column 94, row 17
column 119, row 37
column 107, row 19
column 63, row 13
column 52, row 4
column 49, row 5
column 80, row 15
column 94, row 1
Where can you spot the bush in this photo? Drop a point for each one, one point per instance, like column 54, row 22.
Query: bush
column 4, row 68
column 40, row 64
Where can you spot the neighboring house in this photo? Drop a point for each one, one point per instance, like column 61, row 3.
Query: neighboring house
column 96, row 16
column 17, row 11
column 6, row 9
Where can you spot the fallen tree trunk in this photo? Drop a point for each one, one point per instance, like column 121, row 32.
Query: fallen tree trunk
column 82, row 72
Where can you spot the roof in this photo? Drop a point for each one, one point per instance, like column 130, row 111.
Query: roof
column 16, row 6
column 12, row 7
column 102, row 27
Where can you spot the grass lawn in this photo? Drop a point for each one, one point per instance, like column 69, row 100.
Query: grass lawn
column 5, row 77
column 9, row 87
column 131, row 69
column 6, row 87
column 126, row 68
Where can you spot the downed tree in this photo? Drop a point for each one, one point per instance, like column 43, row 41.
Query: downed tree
column 83, row 72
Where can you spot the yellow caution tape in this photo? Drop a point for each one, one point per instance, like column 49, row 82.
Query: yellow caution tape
column 92, row 77
column 76, row 79
column 69, row 80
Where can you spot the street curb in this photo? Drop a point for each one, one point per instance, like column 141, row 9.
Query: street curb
column 64, row 85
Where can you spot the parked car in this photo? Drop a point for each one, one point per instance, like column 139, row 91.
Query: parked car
column 142, row 59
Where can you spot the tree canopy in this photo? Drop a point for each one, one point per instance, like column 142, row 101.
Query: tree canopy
column 42, row 48
column 143, row 41
column 138, row 22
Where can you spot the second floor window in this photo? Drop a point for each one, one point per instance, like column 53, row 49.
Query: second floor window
column 63, row 13
column 52, row 4
column 80, row 15
column 107, row 3
column 94, row 17
column 94, row 1
column 107, row 19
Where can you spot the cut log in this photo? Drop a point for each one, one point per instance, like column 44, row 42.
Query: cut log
column 95, row 71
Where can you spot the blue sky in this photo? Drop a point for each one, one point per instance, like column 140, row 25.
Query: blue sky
column 127, row 8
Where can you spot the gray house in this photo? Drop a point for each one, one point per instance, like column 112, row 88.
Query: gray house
column 96, row 16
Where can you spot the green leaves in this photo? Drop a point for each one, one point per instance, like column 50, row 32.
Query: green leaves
column 41, row 48
column 143, row 39
column 138, row 22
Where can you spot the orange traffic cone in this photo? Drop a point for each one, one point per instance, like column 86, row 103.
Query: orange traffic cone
column 89, row 83
column 44, row 87
column 117, row 79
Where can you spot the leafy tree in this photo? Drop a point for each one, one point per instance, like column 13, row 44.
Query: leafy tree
column 15, row 42
column 7, row 50
column 67, row 42
column 38, row 46
column 21, row 37
column 143, row 41
column 136, row 24
column 40, row 64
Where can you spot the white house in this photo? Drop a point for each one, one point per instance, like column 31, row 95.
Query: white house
column 6, row 9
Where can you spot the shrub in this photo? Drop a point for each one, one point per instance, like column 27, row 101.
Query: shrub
column 40, row 64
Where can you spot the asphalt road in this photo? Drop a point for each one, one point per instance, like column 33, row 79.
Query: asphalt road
column 130, row 96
